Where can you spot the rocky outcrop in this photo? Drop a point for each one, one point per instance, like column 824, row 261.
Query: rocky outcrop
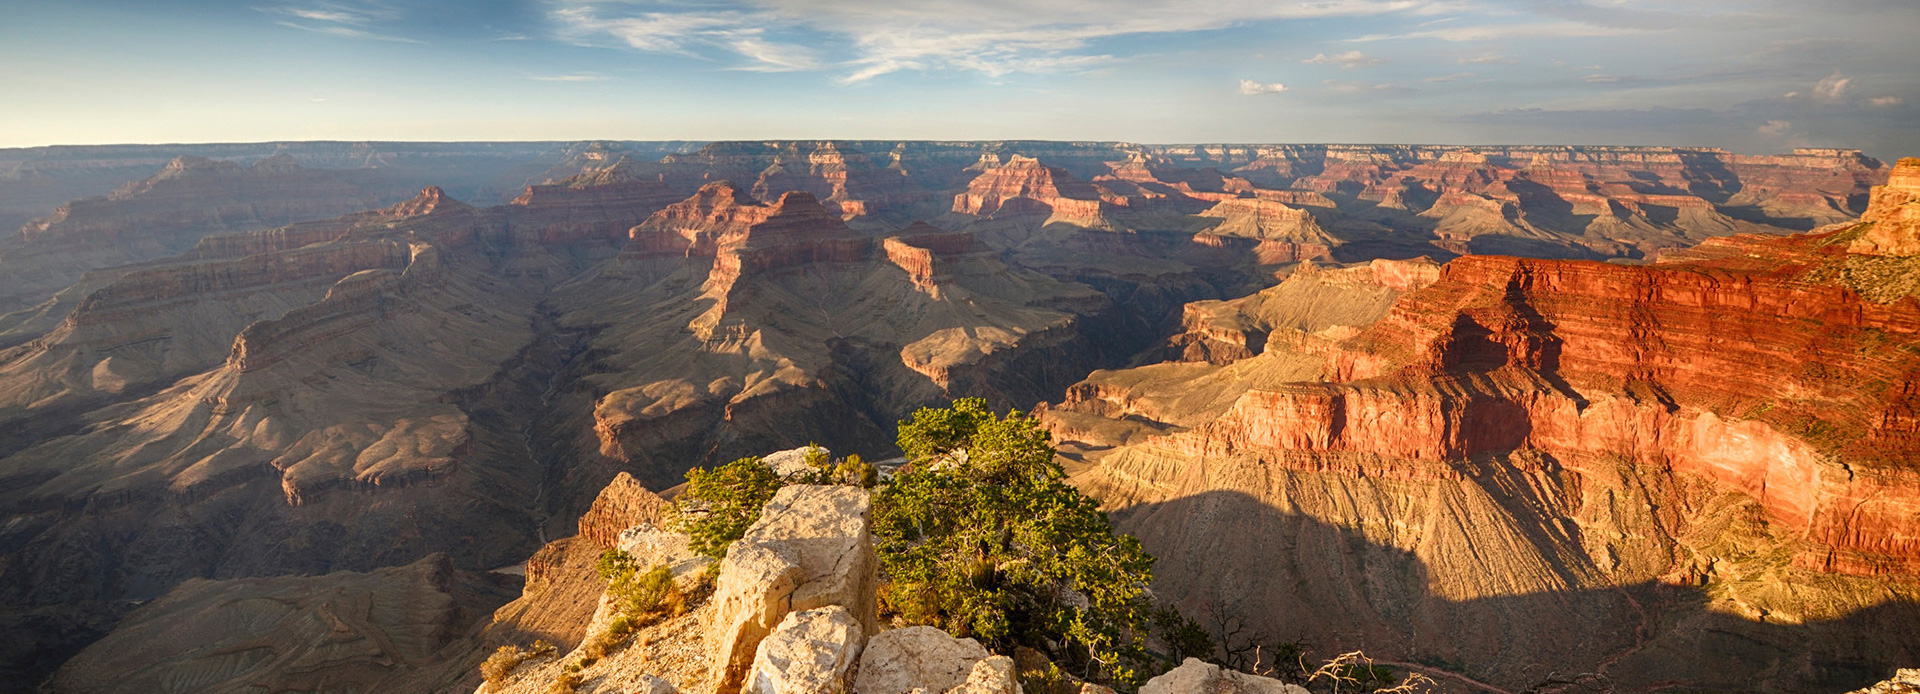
column 623, row 504
column 1196, row 676
column 811, row 548
column 1022, row 185
column 902, row 661
column 1267, row 220
column 810, row 652
column 1895, row 215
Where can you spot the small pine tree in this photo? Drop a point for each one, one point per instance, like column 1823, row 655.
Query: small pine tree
column 994, row 544
column 719, row 505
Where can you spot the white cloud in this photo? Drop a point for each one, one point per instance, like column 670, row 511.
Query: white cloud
column 1252, row 88
column 1452, row 77
column 1833, row 88
column 773, row 57
column 1602, row 78
column 1347, row 61
column 1885, row 101
column 1775, row 128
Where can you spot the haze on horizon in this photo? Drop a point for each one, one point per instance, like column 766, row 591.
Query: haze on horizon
column 1747, row 75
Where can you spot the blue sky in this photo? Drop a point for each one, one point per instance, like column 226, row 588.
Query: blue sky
column 1750, row 75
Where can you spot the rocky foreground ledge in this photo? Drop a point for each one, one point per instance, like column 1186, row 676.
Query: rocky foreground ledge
column 791, row 610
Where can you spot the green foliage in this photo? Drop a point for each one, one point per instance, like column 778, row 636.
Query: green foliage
column 821, row 469
column 720, row 504
column 635, row 593
column 983, row 537
column 936, row 431
column 857, row 472
column 1047, row 680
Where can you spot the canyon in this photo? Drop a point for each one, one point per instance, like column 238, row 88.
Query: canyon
column 1487, row 411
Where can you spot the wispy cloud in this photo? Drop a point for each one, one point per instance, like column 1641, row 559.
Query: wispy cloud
column 1364, row 87
column 1252, row 88
column 690, row 34
column 353, row 20
column 568, row 78
column 1452, row 77
column 1485, row 59
column 347, row 32
column 1347, row 61
column 869, row 39
column 1774, row 128
column 1885, row 101
column 1495, row 32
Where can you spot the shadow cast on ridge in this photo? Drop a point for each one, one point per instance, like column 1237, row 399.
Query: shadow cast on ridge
column 1294, row 578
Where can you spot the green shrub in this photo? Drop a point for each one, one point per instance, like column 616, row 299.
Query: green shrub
column 719, row 505
column 857, row 472
column 995, row 545
column 634, row 592
column 1047, row 680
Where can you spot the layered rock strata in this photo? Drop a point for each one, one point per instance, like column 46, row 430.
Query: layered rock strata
column 722, row 311
column 1523, row 445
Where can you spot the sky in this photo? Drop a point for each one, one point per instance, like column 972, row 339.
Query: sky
column 1755, row 76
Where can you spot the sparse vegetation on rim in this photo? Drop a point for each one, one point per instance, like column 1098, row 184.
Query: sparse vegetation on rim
column 499, row 666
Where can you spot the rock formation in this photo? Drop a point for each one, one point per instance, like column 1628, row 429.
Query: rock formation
column 791, row 610
column 811, row 548
column 201, row 382
column 1196, row 676
column 925, row 659
column 1524, row 445
column 1895, row 215
column 722, row 312
column 810, row 652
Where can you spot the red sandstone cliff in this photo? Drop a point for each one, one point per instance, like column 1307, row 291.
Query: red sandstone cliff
column 1740, row 418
